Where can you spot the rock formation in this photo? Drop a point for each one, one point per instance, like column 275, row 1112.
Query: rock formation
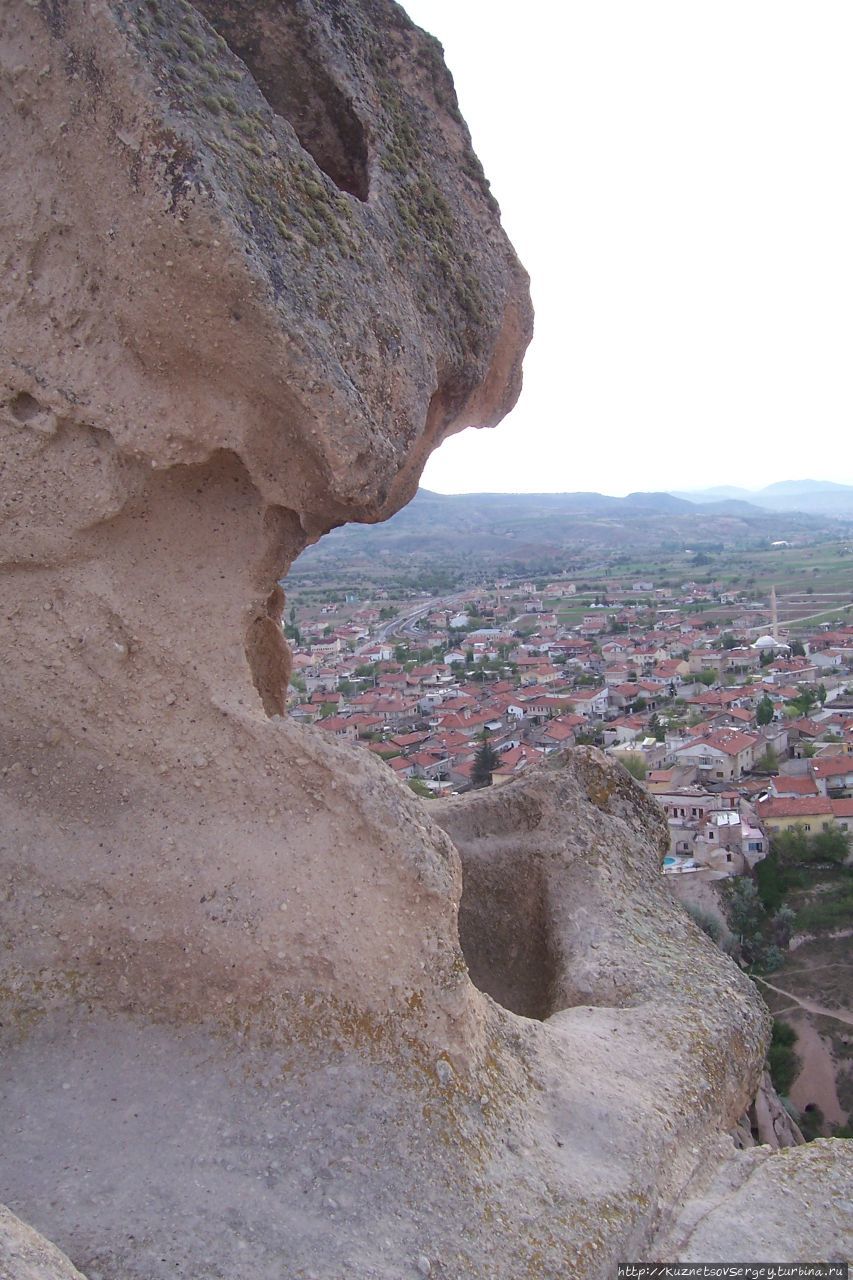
column 25, row 1255
column 252, row 275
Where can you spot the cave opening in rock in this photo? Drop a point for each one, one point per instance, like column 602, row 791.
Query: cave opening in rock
column 293, row 75
column 505, row 933
column 24, row 407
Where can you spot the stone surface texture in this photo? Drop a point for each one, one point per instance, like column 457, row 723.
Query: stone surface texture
column 252, row 274
column 25, row 1255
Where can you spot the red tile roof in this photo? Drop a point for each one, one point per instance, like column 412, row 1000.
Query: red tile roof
column 831, row 766
column 794, row 807
column 796, row 786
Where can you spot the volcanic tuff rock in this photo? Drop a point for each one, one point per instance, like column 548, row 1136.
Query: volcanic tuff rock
column 252, row 275
column 25, row 1255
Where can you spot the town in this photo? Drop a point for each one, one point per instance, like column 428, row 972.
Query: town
column 740, row 724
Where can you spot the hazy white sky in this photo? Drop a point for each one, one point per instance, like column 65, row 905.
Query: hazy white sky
column 676, row 177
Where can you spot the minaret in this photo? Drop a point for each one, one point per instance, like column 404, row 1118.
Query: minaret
column 774, row 614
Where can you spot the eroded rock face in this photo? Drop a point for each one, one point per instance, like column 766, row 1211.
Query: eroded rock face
column 25, row 1255
column 193, row 298
column 252, row 275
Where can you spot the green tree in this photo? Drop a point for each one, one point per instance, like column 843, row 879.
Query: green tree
column 821, row 693
column 769, row 762
column 766, row 657
column 792, row 846
column 747, row 917
column 420, row 788
column 764, row 711
column 803, row 703
column 782, row 1061
column 832, row 844
column 782, row 926
column 485, row 762
column 636, row 766
column 798, row 649
column 656, row 728
column 707, row 677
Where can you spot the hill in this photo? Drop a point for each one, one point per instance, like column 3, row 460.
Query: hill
column 814, row 497
column 511, row 533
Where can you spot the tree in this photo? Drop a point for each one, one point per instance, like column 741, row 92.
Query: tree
column 707, row 677
column 656, row 729
column 792, row 845
column 782, row 926
column 769, row 762
column 798, row 649
column 485, row 762
column 832, row 844
column 766, row 657
column 420, row 788
column 782, row 1061
column 764, row 711
column 821, row 693
column 746, row 919
column 636, row 766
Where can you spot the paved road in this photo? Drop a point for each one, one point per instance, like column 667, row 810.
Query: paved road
column 787, row 622
column 405, row 622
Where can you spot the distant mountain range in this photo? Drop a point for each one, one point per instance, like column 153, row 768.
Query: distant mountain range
column 815, row 497
column 508, row 533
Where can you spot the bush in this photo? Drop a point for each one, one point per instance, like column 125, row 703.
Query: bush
column 708, row 923
column 636, row 766
column 834, row 913
column 782, row 1062
column 774, row 880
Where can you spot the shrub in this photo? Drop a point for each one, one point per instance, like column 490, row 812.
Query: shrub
column 782, row 1062
column 708, row 923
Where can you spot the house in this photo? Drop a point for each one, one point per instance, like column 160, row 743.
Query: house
column 833, row 774
column 514, row 762
column 722, row 754
column 793, row 785
column 557, row 733
column 430, row 765
column 341, row 726
column 590, row 703
column 842, row 811
column 812, row 813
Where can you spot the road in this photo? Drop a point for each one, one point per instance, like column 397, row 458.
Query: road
column 405, row 623
column 787, row 622
column 840, row 1015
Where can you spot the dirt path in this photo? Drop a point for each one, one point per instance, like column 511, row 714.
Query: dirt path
column 816, row 1082
column 840, row 1015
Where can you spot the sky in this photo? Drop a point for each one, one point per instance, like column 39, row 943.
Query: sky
column 676, row 177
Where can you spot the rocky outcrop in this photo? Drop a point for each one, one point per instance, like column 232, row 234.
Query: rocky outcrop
column 25, row 1255
column 252, row 275
column 787, row 1205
